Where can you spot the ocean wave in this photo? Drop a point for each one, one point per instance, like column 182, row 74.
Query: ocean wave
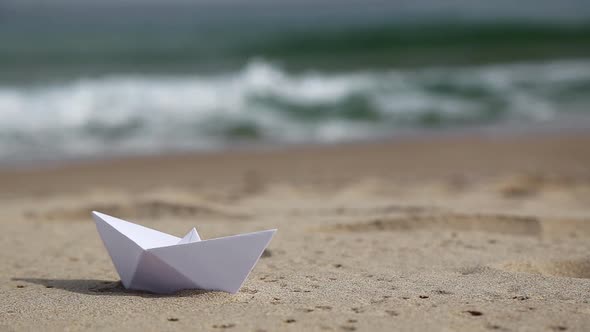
column 122, row 114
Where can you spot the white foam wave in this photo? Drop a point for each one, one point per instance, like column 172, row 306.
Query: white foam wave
column 138, row 114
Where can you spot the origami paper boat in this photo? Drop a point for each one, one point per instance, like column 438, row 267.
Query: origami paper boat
column 157, row 262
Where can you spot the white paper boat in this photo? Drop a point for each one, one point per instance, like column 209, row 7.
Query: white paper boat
column 157, row 262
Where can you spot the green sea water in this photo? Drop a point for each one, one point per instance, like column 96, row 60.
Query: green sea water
column 81, row 84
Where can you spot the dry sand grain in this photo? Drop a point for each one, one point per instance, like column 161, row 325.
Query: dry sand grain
column 460, row 233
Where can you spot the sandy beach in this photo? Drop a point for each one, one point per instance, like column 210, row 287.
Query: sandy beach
column 458, row 233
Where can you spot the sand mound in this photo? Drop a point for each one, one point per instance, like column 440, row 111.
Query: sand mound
column 578, row 268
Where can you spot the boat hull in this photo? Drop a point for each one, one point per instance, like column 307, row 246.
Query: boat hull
column 221, row 264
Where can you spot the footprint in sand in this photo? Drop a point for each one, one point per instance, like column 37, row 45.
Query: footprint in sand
column 492, row 223
column 153, row 208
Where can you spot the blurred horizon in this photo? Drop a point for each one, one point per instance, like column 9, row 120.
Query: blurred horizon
column 89, row 79
column 43, row 40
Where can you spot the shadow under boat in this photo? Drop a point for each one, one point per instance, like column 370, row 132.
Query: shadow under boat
column 99, row 287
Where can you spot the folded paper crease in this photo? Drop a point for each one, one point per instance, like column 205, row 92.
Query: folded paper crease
column 149, row 260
